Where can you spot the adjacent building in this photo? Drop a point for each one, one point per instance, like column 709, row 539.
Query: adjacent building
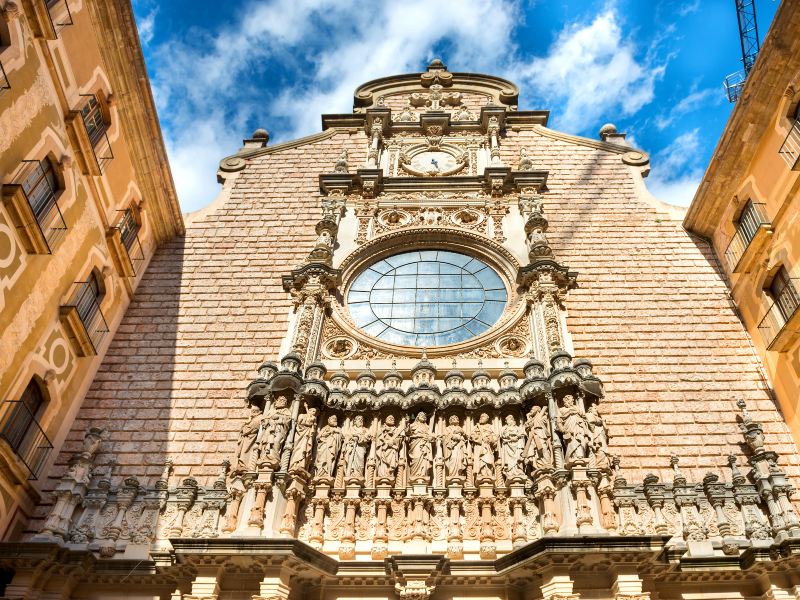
column 748, row 206
column 86, row 198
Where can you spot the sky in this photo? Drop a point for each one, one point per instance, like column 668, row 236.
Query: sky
column 654, row 68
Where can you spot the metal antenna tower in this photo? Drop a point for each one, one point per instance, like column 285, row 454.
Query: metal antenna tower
column 748, row 36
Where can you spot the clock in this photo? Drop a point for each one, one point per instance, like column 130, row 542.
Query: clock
column 433, row 163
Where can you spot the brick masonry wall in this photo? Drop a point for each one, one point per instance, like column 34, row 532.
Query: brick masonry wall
column 651, row 312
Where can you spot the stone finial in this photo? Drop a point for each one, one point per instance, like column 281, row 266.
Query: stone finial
column 341, row 164
column 609, row 133
column 436, row 73
column 525, row 161
column 678, row 478
column 261, row 134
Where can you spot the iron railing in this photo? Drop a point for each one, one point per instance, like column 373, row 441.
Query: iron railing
column 86, row 303
column 129, row 233
column 782, row 310
column 97, row 131
column 43, row 200
column 753, row 216
column 734, row 83
column 790, row 149
column 20, row 429
column 4, row 83
column 60, row 14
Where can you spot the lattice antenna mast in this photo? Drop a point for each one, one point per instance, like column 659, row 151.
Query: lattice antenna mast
column 750, row 43
column 748, row 32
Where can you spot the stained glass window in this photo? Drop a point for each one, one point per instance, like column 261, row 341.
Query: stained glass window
column 426, row 298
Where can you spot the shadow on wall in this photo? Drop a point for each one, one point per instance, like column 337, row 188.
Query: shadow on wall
column 134, row 397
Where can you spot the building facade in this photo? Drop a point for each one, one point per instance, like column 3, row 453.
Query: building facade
column 748, row 205
column 437, row 350
column 87, row 197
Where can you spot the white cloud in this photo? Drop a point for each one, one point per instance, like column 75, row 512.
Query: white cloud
column 675, row 173
column 690, row 103
column 592, row 73
column 146, row 26
column 207, row 87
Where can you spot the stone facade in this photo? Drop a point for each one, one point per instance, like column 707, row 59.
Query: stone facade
column 748, row 205
column 608, row 436
column 86, row 198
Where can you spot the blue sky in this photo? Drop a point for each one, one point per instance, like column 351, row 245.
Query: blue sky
column 653, row 68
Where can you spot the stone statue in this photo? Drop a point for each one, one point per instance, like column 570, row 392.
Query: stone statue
column 247, row 440
column 599, row 432
column 329, row 442
column 387, row 449
column 512, row 443
column 420, row 453
column 275, row 427
column 484, row 442
column 574, row 429
column 454, row 449
column 355, row 449
column 303, row 440
column 538, row 452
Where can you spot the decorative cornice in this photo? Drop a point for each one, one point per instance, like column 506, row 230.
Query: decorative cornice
column 582, row 141
column 236, row 161
column 121, row 50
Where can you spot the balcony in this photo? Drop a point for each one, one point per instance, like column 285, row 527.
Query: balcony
column 790, row 149
column 752, row 231
column 82, row 318
column 4, row 83
column 734, row 83
column 780, row 327
column 23, row 434
column 48, row 17
column 126, row 248
column 35, row 210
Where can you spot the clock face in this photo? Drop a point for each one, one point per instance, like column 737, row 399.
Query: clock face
column 433, row 163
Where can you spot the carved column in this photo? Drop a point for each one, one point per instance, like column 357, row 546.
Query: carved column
column 518, row 535
column 256, row 519
column 546, row 495
column 347, row 540
column 205, row 585
column 125, row 497
column 186, row 494
column 274, row 586
column 557, row 585
column 628, row 586
column 294, row 496
column 380, row 541
column 488, row 548
column 232, row 511
column 455, row 540
column 580, row 486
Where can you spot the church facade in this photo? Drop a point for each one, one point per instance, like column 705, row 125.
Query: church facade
column 438, row 350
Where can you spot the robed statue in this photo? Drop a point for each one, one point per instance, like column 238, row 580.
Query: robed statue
column 303, row 440
column 538, row 451
column 276, row 426
column 454, row 449
column 355, row 449
column 484, row 442
column 247, row 441
column 512, row 443
column 420, row 453
column 387, row 449
column 329, row 442
column 574, row 429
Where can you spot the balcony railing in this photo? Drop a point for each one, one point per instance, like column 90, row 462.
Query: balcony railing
column 21, row 431
column 752, row 218
column 784, row 307
column 96, row 130
column 59, row 13
column 5, row 85
column 129, row 234
column 790, row 149
column 84, row 300
column 734, row 83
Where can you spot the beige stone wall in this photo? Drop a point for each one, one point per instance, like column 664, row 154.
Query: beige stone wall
column 748, row 166
column 48, row 79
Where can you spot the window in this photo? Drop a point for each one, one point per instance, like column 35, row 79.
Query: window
column 783, row 292
column 40, row 187
column 748, row 222
column 93, row 119
column 88, row 300
column 128, row 229
column 21, row 429
column 427, row 298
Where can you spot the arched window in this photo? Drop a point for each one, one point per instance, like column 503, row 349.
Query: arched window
column 21, row 428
